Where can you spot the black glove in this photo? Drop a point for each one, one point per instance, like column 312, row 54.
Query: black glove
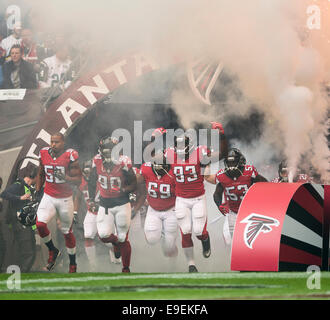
column 93, row 206
column 37, row 196
column 75, row 217
column 59, row 174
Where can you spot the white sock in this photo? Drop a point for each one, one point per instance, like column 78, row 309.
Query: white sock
column 91, row 255
column 189, row 253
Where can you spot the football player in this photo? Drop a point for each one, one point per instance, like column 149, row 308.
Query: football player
column 284, row 171
column 188, row 161
column 114, row 177
column 160, row 223
column 58, row 170
column 233, row 182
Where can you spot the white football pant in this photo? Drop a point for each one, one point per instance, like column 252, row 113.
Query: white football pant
column 90, row 228
column 228, row 227
column 191, row 214
column 61, row 207
column 162, row 225
column 116, row 219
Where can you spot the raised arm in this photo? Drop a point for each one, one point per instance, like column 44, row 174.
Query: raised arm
column 131, row 181
column 141, row 193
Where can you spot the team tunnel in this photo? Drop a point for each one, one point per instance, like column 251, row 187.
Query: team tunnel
column 120, row 109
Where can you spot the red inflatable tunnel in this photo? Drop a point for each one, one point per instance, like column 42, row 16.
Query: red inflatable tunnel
column 282, row 227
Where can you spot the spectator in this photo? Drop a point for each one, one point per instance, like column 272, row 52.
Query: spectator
column 31, row 51
column 15, row 38
column 3, row 27
column 55, row 70
column 13, row 15
column 18, row 73
column 2, row 239
column 20, row 194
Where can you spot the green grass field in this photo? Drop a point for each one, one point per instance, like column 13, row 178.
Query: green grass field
column 166, row 286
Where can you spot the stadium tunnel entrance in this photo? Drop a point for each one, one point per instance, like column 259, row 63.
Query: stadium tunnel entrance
column 105, row 118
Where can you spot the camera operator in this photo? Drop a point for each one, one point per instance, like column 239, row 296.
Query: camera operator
column 19, row 194
column 2, row 239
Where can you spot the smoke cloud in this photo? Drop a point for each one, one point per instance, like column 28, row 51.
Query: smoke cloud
column 278, row 61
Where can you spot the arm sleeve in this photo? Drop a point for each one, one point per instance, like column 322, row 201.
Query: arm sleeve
column 92, row 184
column 12, row 193
column 217, row 195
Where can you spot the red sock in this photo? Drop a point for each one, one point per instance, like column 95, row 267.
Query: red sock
column 70, row 240
column 186, row 240
column 89, row 242
column 42, row 229
column 125, row 250
column 204, row 234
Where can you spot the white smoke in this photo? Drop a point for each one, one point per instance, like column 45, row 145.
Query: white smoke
column 279, row 63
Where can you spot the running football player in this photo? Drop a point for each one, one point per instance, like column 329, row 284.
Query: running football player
column 188, row 161
column 59, row 170
column 232, row 184
column 115, row 179
column 160, row 223
column 284, row 172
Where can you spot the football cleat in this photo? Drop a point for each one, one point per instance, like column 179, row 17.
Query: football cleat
column 116, row 251
column 53, row 255
column 192, row 268
column 126, row 270
column 113, row 258
column 72, row 268
column 206, row 247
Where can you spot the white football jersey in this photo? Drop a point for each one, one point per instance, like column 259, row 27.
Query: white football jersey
column 8, row 42
column 55, row 71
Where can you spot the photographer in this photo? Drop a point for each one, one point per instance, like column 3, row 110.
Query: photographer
column 19, row 194
column 2, row 239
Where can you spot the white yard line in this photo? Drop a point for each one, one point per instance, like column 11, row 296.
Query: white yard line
column 219, row 276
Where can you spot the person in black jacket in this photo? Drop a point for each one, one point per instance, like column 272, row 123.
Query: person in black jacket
column 2, row 238
column 18, row 73
column 19, row 194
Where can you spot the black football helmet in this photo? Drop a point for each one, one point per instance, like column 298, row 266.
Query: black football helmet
column 183, row 145
column 27, row 216
column 160, row 169
column 105, row 149
column 235, row 161
column 283, row 171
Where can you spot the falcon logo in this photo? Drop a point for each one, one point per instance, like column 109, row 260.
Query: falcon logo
column 257, row 223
